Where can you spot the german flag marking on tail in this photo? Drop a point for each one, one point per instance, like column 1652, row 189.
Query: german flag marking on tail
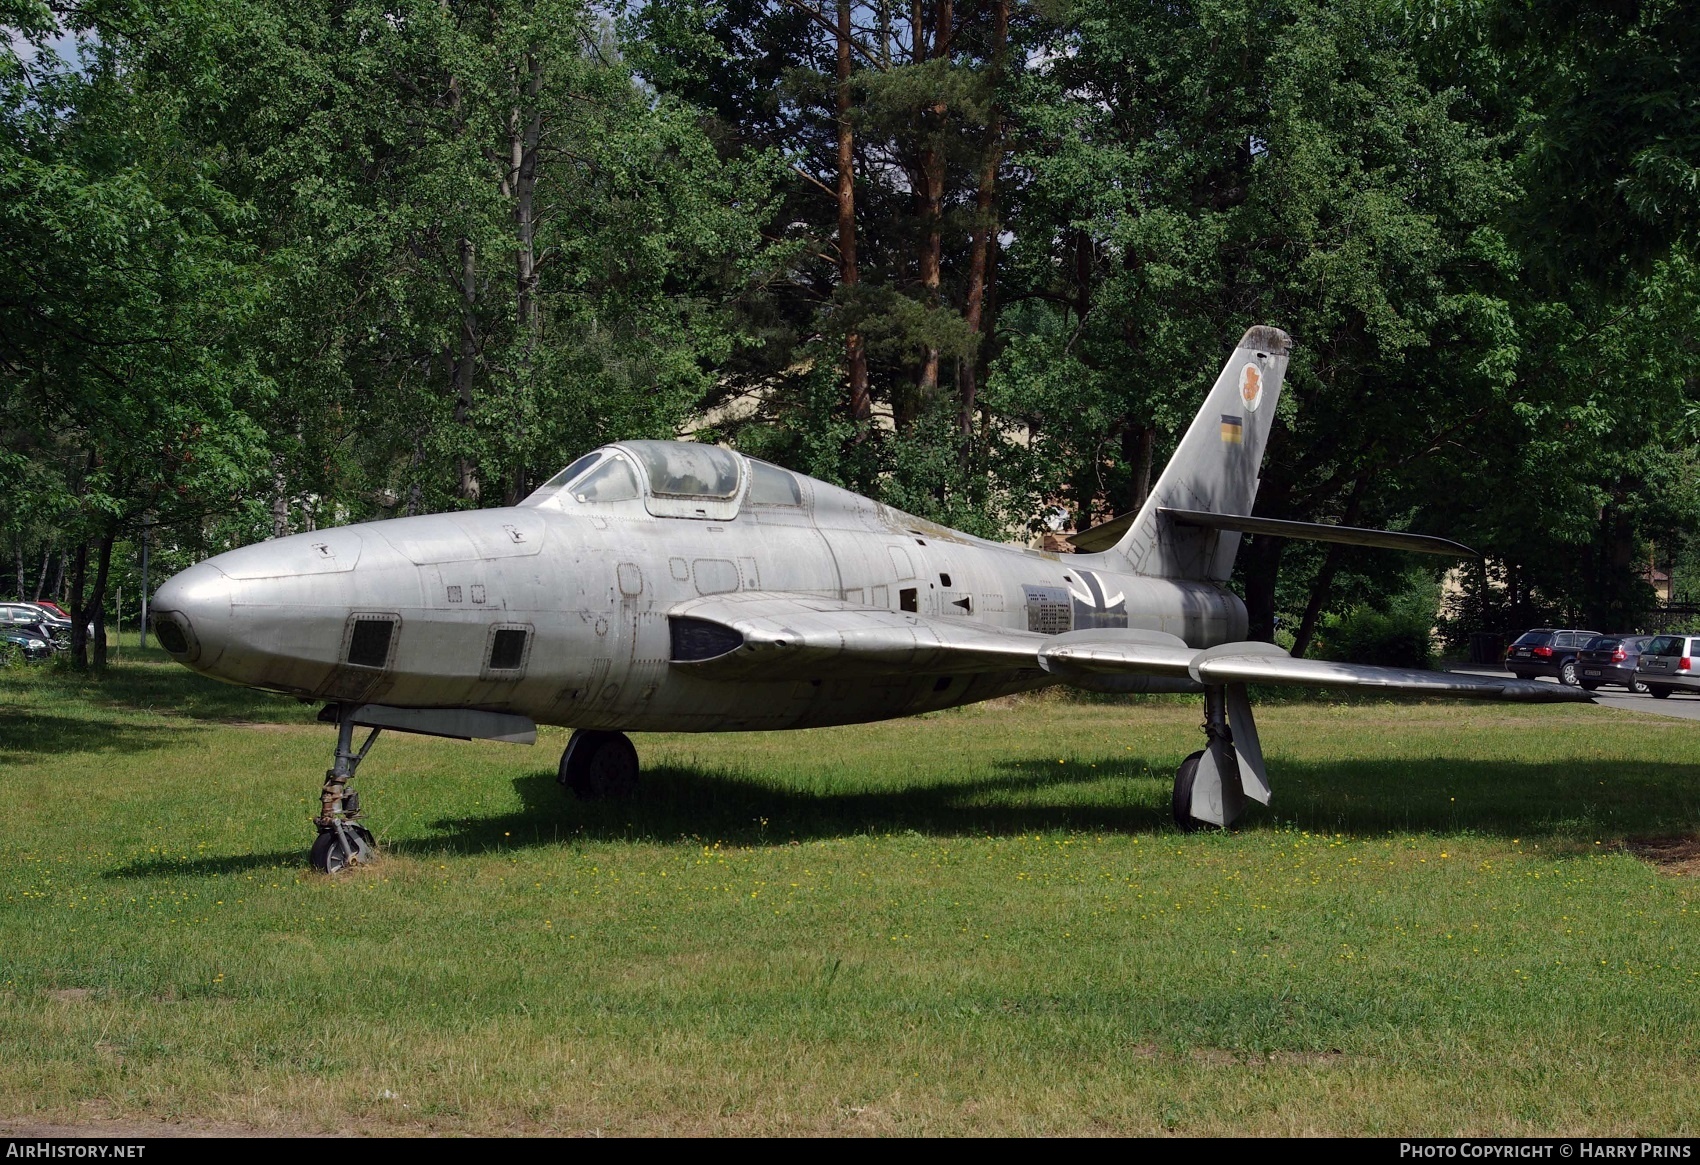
column 1233, row 430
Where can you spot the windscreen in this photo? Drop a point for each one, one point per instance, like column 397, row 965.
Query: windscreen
column 1602, row 644
column 548, row 488
column 614, row 482
column 1530, row 638
column 1667, row 645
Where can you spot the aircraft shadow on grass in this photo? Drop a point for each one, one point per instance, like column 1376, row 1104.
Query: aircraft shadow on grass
column 1499, row 798
column 1579, row 800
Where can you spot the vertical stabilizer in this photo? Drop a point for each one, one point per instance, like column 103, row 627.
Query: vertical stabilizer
column 1214, row 468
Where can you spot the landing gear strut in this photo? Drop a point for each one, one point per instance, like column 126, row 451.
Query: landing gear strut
column 598, row 765
column 1213, row 784
column 342, row 841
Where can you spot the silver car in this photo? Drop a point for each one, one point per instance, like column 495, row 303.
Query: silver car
column 1667, row 663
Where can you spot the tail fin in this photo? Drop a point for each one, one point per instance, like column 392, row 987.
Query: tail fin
column 1214, row 469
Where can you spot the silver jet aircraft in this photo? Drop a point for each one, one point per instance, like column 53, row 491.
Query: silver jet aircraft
column 681, row 587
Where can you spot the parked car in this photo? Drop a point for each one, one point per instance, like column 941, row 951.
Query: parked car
column 1667, row 665
column 1548, row 651
column 53, row 609
column 34, row 647
column 1611, row 659
column 34, row 620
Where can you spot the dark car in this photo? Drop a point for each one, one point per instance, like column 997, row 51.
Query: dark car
column 1611, row 659
column 33, row 646
column 1667, row 664
column 1548, row 651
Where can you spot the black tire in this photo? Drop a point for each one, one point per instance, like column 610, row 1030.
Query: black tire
column 1182, row 798
column 1588, row 687
column 1567, row 674
column 1522, row 675
column 330, row 856
column 1639, row 686
column 1660, row 692
column 599, row 765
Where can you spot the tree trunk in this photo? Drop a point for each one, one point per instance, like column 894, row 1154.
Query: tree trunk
column 1137, row 443
column 525, row 134
column 1323, row 585
column 79, row 612
column 41, row 575
column 1319, row 592
column 932, row 195
column 1262, row 568
column 1082, row 274
column 280, row 503
column 22, row 584
column 985, row 226
column 103, row 571
column 855, row 355
column 467, row 488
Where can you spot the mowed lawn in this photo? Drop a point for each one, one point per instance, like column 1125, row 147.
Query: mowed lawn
column 975, row 922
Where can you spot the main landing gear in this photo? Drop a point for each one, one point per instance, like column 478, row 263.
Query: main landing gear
column 342, row 840
column 598, row 765
column 1213, row 785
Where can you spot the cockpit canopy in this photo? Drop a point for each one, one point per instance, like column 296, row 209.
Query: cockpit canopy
column 678, row 479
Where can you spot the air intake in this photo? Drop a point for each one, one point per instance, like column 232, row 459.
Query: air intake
column 696, row 640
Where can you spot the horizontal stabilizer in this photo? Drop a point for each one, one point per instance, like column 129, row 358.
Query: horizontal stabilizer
column 1106, row 535
column 1319, row 532
column 1102, row 538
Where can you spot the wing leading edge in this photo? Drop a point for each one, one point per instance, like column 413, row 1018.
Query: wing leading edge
column 771, row 635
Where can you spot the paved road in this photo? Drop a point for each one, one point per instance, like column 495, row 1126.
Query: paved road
column 1682, row 707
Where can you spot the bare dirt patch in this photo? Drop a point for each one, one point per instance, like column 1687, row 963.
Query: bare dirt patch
column 1676, row 856
column 71, row 994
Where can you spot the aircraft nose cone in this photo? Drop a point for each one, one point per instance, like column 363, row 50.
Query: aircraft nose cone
column 191, row 615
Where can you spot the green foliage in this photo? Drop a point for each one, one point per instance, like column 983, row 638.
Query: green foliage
column 1400, row 634
column 267, row 266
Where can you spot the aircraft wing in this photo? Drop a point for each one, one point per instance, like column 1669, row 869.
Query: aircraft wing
column 1264, row 663
column 764, row 634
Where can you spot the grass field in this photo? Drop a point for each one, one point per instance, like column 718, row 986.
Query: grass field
column 977, row 921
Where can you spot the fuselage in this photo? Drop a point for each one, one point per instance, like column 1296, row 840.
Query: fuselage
column 557, row 609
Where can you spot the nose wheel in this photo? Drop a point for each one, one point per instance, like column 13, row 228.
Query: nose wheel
column 599, row 765
column 342, row 840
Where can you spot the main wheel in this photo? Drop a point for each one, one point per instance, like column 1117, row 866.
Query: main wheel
column 1639, row 686
column 598, row 765
column 1587, row 687
column 1182, row 801
column 1660, row 692
column 1567, row 673
column 331, row 856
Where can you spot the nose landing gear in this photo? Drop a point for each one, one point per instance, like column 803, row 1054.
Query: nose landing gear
column 342, row 841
